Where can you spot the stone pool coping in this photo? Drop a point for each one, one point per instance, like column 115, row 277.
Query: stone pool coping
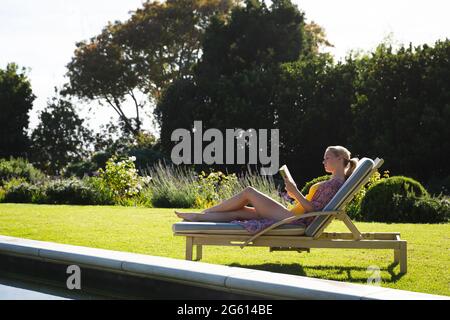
column 251, row 282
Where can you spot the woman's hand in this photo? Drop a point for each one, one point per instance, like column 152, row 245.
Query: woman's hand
column 291, row 188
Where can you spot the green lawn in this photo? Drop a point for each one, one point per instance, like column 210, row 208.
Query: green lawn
column 148, row 231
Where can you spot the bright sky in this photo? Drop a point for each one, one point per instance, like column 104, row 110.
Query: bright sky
column 41, row 35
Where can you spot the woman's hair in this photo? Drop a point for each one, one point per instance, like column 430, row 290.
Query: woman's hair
column 349, row 163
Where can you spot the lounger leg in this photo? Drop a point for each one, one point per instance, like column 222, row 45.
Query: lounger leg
column 396, row 256
column 189, row 246
column 199, row 252
column 403, row 258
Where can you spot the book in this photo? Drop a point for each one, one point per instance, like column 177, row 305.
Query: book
column 284, row 172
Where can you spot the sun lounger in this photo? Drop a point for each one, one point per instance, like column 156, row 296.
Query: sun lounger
column 285, row 236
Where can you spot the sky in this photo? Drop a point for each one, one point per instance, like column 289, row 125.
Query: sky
column 41, row 35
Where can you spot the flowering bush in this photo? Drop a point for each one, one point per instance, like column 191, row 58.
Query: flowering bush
column 121, row 177
column 212, row 188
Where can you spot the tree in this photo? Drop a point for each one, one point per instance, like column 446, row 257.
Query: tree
column 16, row 100
column 100, row 70
column 402, row 108
column 163, row 39
column 60, row 137
column 234, row 81
column 314, row 98
column 157, row 45
column 314, row 38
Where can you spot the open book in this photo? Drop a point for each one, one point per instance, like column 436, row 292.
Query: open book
column 284, row 171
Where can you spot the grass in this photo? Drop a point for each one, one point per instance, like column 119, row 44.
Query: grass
column 148, row 231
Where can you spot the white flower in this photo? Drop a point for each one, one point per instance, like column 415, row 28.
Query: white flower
column 133, row 158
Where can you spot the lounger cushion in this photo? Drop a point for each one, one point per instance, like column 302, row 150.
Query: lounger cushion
column 232, row 228
column 362, row 169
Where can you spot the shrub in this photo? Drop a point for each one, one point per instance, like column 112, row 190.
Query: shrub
column 74, row 191
column 100, row 194
column 378, row 203
column 172, row 187
column 19, row 191
column 182, row 196
column 19, row 168
column 214, row 187
column 421, row 209
column 121, row 178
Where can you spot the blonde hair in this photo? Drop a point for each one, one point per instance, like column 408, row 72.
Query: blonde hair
column 348, row 162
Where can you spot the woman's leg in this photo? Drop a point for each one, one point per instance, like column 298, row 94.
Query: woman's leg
column 233, row 208
column 236, row 202
column 266, row 207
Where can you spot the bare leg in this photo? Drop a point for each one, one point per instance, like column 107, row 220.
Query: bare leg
column 236, row 202
column 266, row 207
column 232, row 209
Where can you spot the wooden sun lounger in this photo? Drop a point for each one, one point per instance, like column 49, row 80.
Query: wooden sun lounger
column 199, row 233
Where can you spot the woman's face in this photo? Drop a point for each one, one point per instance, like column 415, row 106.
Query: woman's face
column 331, row 162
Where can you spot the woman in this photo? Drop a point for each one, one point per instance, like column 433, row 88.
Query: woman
column 265, row 210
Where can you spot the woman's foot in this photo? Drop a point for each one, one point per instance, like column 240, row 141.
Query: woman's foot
column 187, row 216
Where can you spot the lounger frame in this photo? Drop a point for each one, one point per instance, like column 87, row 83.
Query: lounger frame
column 335, row 240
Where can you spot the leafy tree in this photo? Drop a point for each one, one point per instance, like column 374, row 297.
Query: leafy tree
column 314, row 39
column 100, row 70
column 163, row 39
column 255, row 37
column 313, row 102
column 157, row 45
column 264, row 69
column 60, row 137
column 234, row 81
column 16, row 100
column 402, row 108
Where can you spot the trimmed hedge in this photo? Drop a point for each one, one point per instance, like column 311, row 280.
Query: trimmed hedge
column 421, row 210
column 401, row 199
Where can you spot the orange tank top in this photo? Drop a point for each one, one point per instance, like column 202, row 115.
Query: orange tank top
column 298, row 209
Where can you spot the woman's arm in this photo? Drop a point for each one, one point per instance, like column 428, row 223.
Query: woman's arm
column 293, row 191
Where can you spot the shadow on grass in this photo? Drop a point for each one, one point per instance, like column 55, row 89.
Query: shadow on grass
column 337, row 273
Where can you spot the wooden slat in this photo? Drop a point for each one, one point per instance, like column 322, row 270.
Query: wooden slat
column 326, row 235
column 301, row 243
column 365, row 235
